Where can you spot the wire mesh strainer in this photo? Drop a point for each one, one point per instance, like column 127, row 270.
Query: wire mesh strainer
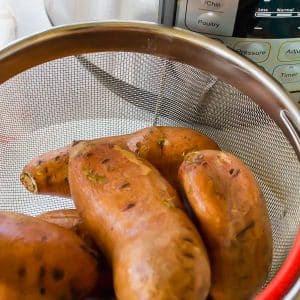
column 92, row 80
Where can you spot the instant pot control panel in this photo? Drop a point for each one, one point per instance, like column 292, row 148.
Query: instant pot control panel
column 265, row 31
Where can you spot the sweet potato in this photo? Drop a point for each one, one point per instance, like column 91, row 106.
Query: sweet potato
column 6, row 292
column 39, row 260
column 70, row 219
column 233, row 221
column 164, row 147
column 136, row 217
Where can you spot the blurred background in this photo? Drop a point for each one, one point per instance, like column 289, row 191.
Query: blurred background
column 19, row 18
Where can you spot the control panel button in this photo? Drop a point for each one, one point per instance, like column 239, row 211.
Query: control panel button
column 256, row 51
column 211, row 16
column 212, row 5
column 287, row 73
column 289, row 51
column 209, row 22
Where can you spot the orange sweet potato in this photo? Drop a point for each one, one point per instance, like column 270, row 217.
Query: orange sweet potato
column 136, row 217
column 233, row 221
column 164, row 147
column 70, row 219
column 39, row 260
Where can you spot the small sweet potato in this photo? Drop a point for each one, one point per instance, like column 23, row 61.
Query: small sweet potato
column 39, row 260
column 70, row 219
column 233, row 221
column 164, row 147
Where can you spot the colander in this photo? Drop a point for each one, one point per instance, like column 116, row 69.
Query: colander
column 99, row 79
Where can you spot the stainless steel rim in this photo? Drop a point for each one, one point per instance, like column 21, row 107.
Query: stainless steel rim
column 177, row 44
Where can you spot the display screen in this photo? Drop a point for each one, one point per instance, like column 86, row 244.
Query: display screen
column 268, row 19
column 279, row 9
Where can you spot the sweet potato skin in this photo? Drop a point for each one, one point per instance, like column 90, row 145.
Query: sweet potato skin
column 233, row 221
column 48, row 173
column 70, row 219
column 37, row 260
column 136, row 217
column 164, row 147
column 67, row 218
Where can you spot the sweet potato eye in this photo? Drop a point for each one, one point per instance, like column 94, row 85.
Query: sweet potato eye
column 42, row 291
column 187, row 239
column 245, row 229
column 188, row 255
column 234, row 172
column 161, row 143
column 124, row 185
column 104, row 161
column 128, row 206
column 22, row 272
column 58, row 274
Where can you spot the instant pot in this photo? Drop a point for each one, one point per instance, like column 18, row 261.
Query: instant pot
column 265, row 31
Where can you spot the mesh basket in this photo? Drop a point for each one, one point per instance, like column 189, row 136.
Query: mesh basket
column 86, row 81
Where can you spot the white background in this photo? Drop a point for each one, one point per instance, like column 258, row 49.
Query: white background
column 30, row 16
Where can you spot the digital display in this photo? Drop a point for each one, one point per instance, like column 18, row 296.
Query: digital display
column 281, row 8
column 268, row 19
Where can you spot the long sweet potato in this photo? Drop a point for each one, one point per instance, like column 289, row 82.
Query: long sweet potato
column 164, row 147
column 233, row 221
column 136, row 217
column 39, row 260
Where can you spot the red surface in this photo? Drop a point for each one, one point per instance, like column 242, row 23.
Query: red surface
column 286, row 276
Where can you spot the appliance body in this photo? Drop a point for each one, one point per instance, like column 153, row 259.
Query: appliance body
column 265, row 31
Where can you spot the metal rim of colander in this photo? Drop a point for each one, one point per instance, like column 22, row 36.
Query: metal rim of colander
column 180, row 45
